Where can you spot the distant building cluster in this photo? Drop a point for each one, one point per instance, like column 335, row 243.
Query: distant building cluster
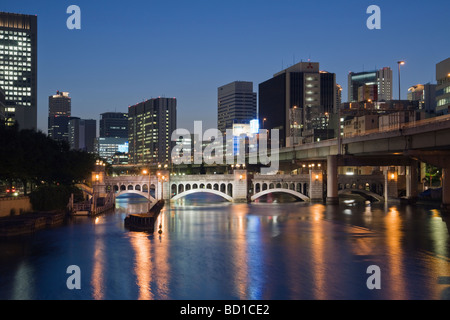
column 302, row 101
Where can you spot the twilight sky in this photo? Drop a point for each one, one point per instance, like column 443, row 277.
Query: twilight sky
column 129, row 51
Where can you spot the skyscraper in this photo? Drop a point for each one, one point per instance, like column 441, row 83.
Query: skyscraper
column 298, row 101
column 18, row 67
column 443, row 87
column 150, row 127
column 113, row 135
column 236, row 104
column 381, row 78
column 59, row 112
column 82, row 134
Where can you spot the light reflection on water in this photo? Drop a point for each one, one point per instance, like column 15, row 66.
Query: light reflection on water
column 211, row 249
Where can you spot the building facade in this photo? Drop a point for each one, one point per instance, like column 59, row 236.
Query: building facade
column 150, row 127
column 18, row 67
column 236, row 104
column 82, row 134
column 114, row 125
column 298, row 101
column 107, row 148
column 382, row 79
column 443, row 87
column 425, row 94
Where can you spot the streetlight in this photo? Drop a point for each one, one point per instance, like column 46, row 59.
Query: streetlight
column 400, row 63
column 264, row 120
column 145, row 172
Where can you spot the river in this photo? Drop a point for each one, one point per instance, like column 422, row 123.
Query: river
column 209, row 249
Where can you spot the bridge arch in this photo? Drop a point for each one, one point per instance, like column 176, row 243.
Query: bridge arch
column 364, row 193
column 140, row 193
column 280, row 190
column 193, row 191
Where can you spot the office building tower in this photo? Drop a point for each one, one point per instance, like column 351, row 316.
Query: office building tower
column 59, row 112
column 150, row 127
column 114, row 125
column 443, row 87
column 384, row 83
column 298, row 101
column 82, row 134
column 381, row 78
column 236, row 104
column 3, row 111
column 425, row 94
column 18, row 67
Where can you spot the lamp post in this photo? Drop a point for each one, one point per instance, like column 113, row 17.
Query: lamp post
column 400, row 63
column 147, row 172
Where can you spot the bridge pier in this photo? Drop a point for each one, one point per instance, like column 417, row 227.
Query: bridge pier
column 240, row 186
column 332, row 180
column 412, row 177
column 316, row 185
column 390, row 184
column 446, row 189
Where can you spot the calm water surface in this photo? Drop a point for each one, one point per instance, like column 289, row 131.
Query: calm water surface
column 215, row 250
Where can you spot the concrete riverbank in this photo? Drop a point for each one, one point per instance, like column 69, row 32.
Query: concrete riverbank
column 29, row 223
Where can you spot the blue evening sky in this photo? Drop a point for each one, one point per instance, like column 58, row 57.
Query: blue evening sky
column 129, row 51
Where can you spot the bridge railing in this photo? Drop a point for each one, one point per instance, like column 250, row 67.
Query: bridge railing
column 406, row 125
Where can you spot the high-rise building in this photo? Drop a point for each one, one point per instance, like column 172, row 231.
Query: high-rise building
column 443, row 87
column 59, row 112
column 150, row 127
column 384, row 82
column 381, row 78
column 298, row 101
column 236, row 103
column 3, row 111
column 114, row 125
column 18, row 67
column 425, row 94
column 82, row 134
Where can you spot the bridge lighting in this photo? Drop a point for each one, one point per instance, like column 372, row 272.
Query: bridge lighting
column 317, row 177
column 319, row 165
column 97, row 177
column 144, row 172
column 393, row 176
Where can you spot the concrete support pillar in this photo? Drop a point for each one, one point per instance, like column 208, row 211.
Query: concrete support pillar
column 316, row 185
column 240, row 186
column 162, row 191
column 446, row 188
column 412, row 177
column 390, row 184
column 332, row 180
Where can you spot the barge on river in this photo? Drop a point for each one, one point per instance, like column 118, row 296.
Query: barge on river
column 144, row 221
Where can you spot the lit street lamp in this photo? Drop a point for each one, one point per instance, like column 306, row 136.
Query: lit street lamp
column 400, row 63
